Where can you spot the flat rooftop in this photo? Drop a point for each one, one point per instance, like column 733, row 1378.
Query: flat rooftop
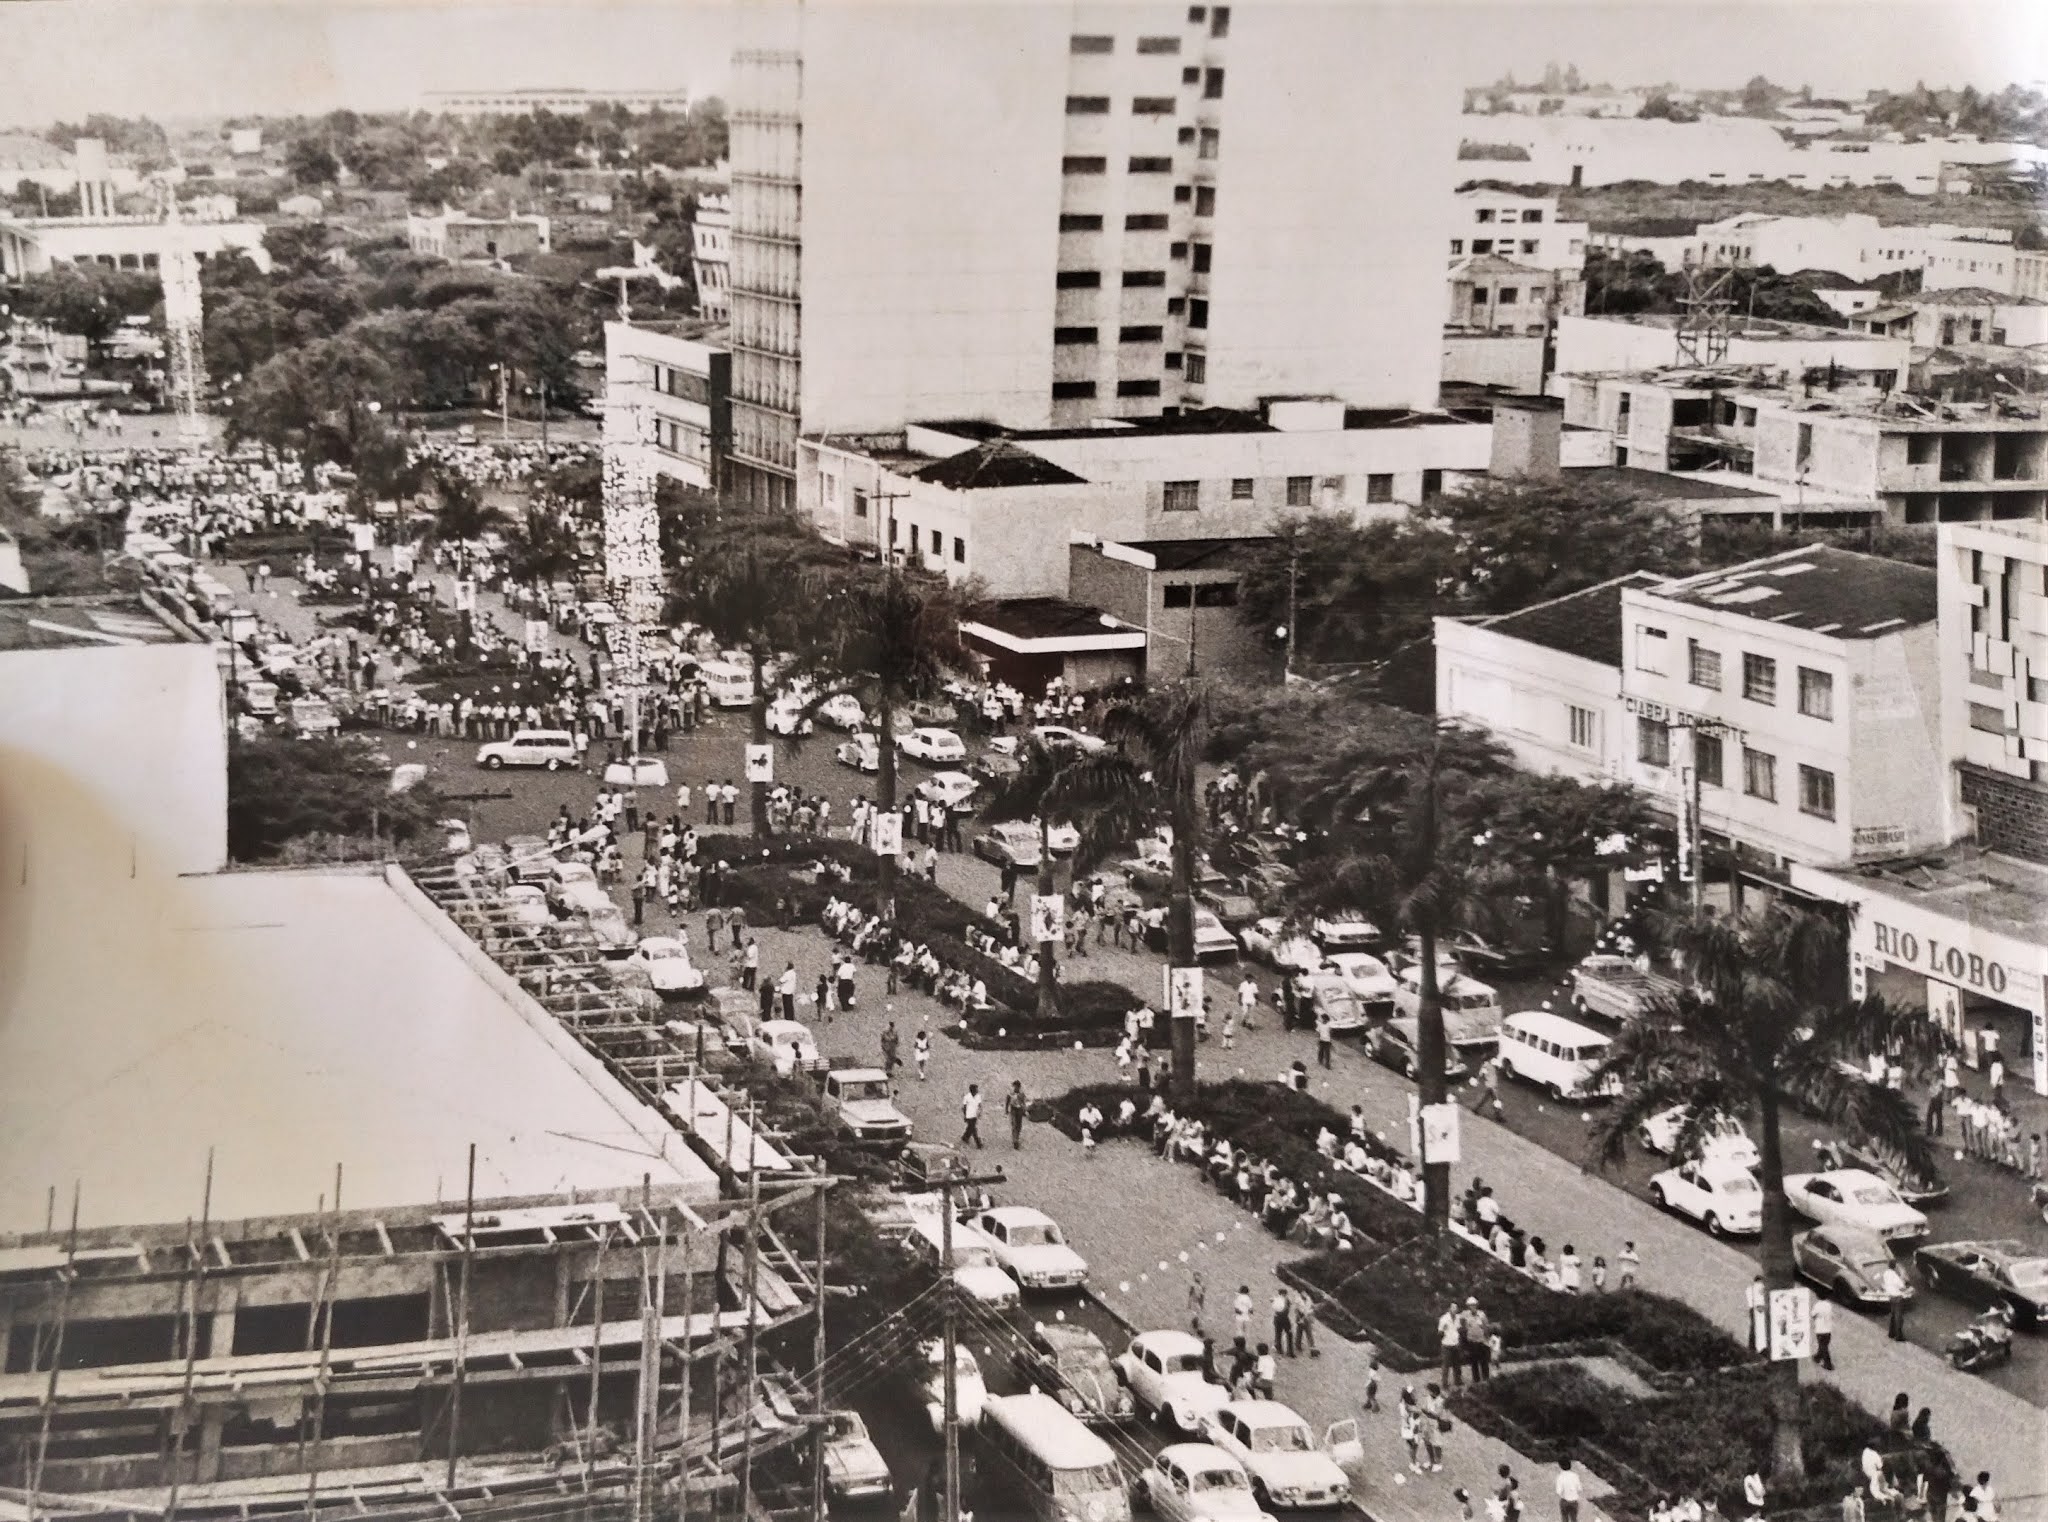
column 1819, row 588
column 1964, row 882
column 1196, row 554
column 1029, row 622
column 57, row 623
column 1586, row 624
column 287, row 1022
column 1657, row 483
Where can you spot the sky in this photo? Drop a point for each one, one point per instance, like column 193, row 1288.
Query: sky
column 61, row 59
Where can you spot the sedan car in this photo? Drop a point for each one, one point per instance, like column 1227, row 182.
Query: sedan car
column 1198, row 1482
column 1343, row 932
column 1366, row 976
column 1060, row 737
column 1070, row 1364
column 1213, row 943
column 1989, row 1273
column 1325, row 994
column 1233, row 906
column 854, row 1468
column 1854, row 1197
column 528, row 904
column 952, row 789
column 970, row 1394
column 1164, row 1371
column 863, row 753
column 993, row 766
column 1063, row 838
column 1277, row 1449
column 1721, row 1137
column 1277, row 943
column 932, row 745
column 1915, row 1186
column 1012, row 843
column 666, row 961
column 784, row 1045
column 1029, row 1244
column 1397, row 1043
column 843, row 711
column 570, row 879
column 1723, row 1196
column 1844, row 1261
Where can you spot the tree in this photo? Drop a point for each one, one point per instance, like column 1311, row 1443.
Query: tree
column 1352, row 592
column 1555, row 831
column 540, row 546
column 1526, row 539
column 461, row 513
column 1146, row 775
column 309, row 162
column 281, row 789
column 1026, row 795
column 1762, row 1023
column 86, row 299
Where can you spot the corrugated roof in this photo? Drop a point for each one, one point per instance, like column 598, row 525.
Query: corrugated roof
column 39, row 623
column 1819, row 588
column 996, row 463
column 1196, row 554
column 1586, row 624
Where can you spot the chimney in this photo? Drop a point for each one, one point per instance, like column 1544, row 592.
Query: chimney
column 1528, row 434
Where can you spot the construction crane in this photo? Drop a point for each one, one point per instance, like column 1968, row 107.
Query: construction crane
column 632, row 552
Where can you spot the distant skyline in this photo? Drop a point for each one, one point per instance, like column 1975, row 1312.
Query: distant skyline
column 64, row 59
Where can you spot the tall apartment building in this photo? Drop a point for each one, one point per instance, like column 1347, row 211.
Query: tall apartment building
column 1044, row 216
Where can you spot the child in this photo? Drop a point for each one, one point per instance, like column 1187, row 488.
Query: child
column 1411, row 1429
column 1599, row 1272
column 1628, row 1261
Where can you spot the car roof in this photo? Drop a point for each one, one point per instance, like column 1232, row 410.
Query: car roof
column 862, row 1073
column 1543, row 1022
column 1200, row 1456
column 1848, row 1177
column 1067, row 1332
column 1167, row 1340
column 1017, row 1215
column 784, row 1027
column 2002, row 1247
column 660, row 943
column 950, row 777
column 1266, row 1413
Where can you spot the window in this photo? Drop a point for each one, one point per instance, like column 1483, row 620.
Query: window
column 1583, row 721
column 1212, row 84
column 1073, row 335
column 1144, row 277
column 1092, row 44
column 1816, row 694
column 1651, row 647
column 1198, row 13
column 1216, row 594
column 1178, row 594
column 1191, row 75
column 1087, row 105
column 1158, row 44
column 1211, row 142
column 1816, row 792
column 1528, row 245
column 1301, row 491
column 1759, row 678
column 1197, row 368
column 1140, row 334
column 1137, row 388
column 1485, row 214
column 1532, row 214
column 1482, row 245
column 960, row 550
column 1219, row 21
column 1175, row 305
column 1173, row 359
column 1509, row 295
column 860, row 503
column 1479, row 295
column 1145, row 222
column 1760, row 774
column 1379, row 487
column 1067, row 391
column 1151, row 166
column 1181, row 194
column 1457, row 246
column 1152, row 105
column 1078, row 280
column 1083, row 164
column 1706, row 758
column 1703, row 666
column 1432, row 485
column 1198, row 313
column 1176, row 251
column 1202, row 252
column 1989, row 720
column 1183, row 496
column 1653, row 742
column 938, row 542
column 1205, row 200
column 1080, row 222
column 1240, row 488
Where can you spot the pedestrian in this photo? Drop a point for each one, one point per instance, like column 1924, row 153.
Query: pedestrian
column 1476, row 1335
column 1372, row 1379
column 1436, row 1422
column 970, row 1113
column 1464, row 1499
column 1895, row 1288
column 1489, row 1088
column 1283, row 1323
column 1303, row 1314
column 751, row 963
column 1265, row 1374
column 1753, row 1493
column 1568, row 1270
column 786, row 987
column 1758, row 1301
column 1628, row 1262
column 1507, row 1495
column 2034, row 1157
column 1599, row 1272
column 1326, row 1035
column 892, row 1048
column 1241, row 1313
column 714, row 922
column 921, row 1053
column 1983, row 1497
column 1569, row 1491
column 1450, row 1334
column 1198, row 1294
column 1411, row 1428
column 1901, row 1420
column 1823, row 1332
column 1014, row 1106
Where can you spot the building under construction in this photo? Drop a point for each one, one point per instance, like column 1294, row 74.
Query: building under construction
column 316, row 1192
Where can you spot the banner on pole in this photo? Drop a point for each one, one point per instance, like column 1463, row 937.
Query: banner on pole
column 1048, row 917
column 1791, row 1324
column 537, row 636
column 760, row 763
column 888, row 827
column 1184, row 993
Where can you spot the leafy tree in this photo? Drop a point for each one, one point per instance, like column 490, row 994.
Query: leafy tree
column 1524, row 539
column 1762, row 1024
column 314, row 402
column 1724, row 543
column 1352, row 591
column 460, row 512
column 1661, row 107
column 309, row 162
column 1553, row 831
column 281, row 790
column 86, row 299
column 540, row 546
column 1760, row 97
column 1027, row 795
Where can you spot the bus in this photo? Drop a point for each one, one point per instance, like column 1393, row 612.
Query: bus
column 1038, row 1459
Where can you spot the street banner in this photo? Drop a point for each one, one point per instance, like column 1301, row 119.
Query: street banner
column 760, row 763
column 1048, row 917
column 888, row 828
column 403, row 557
column 363, row 536
column 465, row 595
column 1184, row 993
column 1440, row 1133
column 1791, row 1324
column 537, row 636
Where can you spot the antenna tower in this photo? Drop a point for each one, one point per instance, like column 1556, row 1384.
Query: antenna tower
column 1706, row 313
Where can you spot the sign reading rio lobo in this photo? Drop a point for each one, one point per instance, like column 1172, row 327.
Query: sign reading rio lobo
column 1942, row 960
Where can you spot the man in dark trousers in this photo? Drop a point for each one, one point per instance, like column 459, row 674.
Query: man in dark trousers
column 1014, row 1106
column 970, row 1113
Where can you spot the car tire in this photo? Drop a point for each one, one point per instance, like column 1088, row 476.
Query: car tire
column 1714, row 1226
column 1408, row 1068
column 494, row 763
column 1557, row 1093
column 554, row 763
column 1841, row 1291
column 1659, row 1197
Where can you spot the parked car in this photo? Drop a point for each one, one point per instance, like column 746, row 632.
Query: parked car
column 864, row 1106
column 529, row 859
column 1275, row 942
column 785, row 1045
column 1366, row 976
column 1070, row 1364
column 666, row 961
column 1723, row 1196
column 549, row 748
column 932, row 745
column 992, row 766
column 976, row 1273
column 1615, row 987
column 1012, row 843
column 1327, row 994
column 863, row 753
column 1288, row 1468
column 1844, row 1261
column 1029, row 1244
column 1197, row 1482
column 1397, row 1043
column 565, row 879
column 1164, row 1371
column 1234, row 906
column 1721, row 1137
column 937, row 712
column 1063, row 838
column 952, row 789
column 1059, row 737
column 1915, row 1187
column 1989, row 1273
column 1854, row 1197
column 970, row 1393
column 843, row 711
column 1213, row 943
column 854, row 1467
column 786, row 717
column 529, row 905
column 1343, row 932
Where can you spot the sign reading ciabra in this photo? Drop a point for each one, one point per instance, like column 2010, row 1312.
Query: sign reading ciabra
column 1941, row 959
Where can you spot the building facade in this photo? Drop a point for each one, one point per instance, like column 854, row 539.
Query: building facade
column 1092, row 212
column 1184, row 593
column 563, row 102
column 1490, row 294
column 460, row 238
column 680, row 374
column 1492, row 219
column 711, row 255
column 35, row 245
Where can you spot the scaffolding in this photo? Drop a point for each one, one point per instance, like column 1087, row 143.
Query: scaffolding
column 1705, row 313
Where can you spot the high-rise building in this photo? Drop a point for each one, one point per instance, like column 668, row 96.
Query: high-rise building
column 1044, row 215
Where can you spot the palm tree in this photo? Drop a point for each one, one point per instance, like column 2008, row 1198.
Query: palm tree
column 461, row 513
column 1762, row 1022
column 1028, row 795
column 1146, row 774
column 1404, row 806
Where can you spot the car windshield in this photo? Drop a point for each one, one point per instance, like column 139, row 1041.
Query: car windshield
column 1219, row 1479
column 2033, row 1272
column 1740, row 1183
column 1033, row 1235
column 974, row 1257
column 865, row 1088
column 658, row 952
column 1874, row 1194
column 1091, row 1481
column 1282, row 1439
column 1182, row 1363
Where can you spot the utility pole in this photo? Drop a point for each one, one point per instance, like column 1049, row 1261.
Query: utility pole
column 818, row 1364
column 1293, row 607
column 950, row 1511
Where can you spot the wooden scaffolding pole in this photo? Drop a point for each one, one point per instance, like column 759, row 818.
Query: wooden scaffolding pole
column 196, row 1255
column 462, row 1320
column 324, row 1309
column 70, row 1272
column 596, row 1361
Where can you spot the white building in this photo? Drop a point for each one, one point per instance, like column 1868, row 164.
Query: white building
column 1644, row 342
column 33, row 245
column 679, row 373
column 711, row 255
column 563, row 102
column 1091, row 211
column 1494, row 220
column 459, row 237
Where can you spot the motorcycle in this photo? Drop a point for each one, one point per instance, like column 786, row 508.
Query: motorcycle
column 1983, row 1344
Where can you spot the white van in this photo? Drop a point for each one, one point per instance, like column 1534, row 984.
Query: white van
column 1471, row 1008
column 727, row 684
column 1554, row 1053
column 1041, row 1461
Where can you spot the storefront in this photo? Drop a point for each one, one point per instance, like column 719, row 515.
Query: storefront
column 1931, row 945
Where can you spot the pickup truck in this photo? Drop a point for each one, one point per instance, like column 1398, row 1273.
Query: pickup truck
column 310, row 718
column 864, row 1107
column 1617, row 988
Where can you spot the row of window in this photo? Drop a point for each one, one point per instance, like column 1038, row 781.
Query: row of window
column 1759, row 768
column 1135, row 334
column 1141, row 105
column 1136, row 222
column 1097, row 44
column 1218, row 17
column 1089, row 280
column 1087, row 163
column 1189, row 594
column 938, row 542
column 1759, row 673
column 1186, row 496
column 1074, row 391
column 1531, row 214
column 1486, row 246
column 1506, row 295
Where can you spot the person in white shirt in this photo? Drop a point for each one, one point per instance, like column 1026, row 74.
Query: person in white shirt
column 1569, row 1491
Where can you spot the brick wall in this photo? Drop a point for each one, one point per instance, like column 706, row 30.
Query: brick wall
column 2012, row 813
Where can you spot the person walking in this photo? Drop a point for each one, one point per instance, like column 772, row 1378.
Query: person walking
column 970, row 1113
column 1283, row 1324
column 892, row 1048
column 1326, row 1035
column 1014, row 1106
column 1823, row 1332
column 1895, row 1288
column 1303, row 1315
column 1570, row 1491
column 921, row 1053
column 1489, row 1089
